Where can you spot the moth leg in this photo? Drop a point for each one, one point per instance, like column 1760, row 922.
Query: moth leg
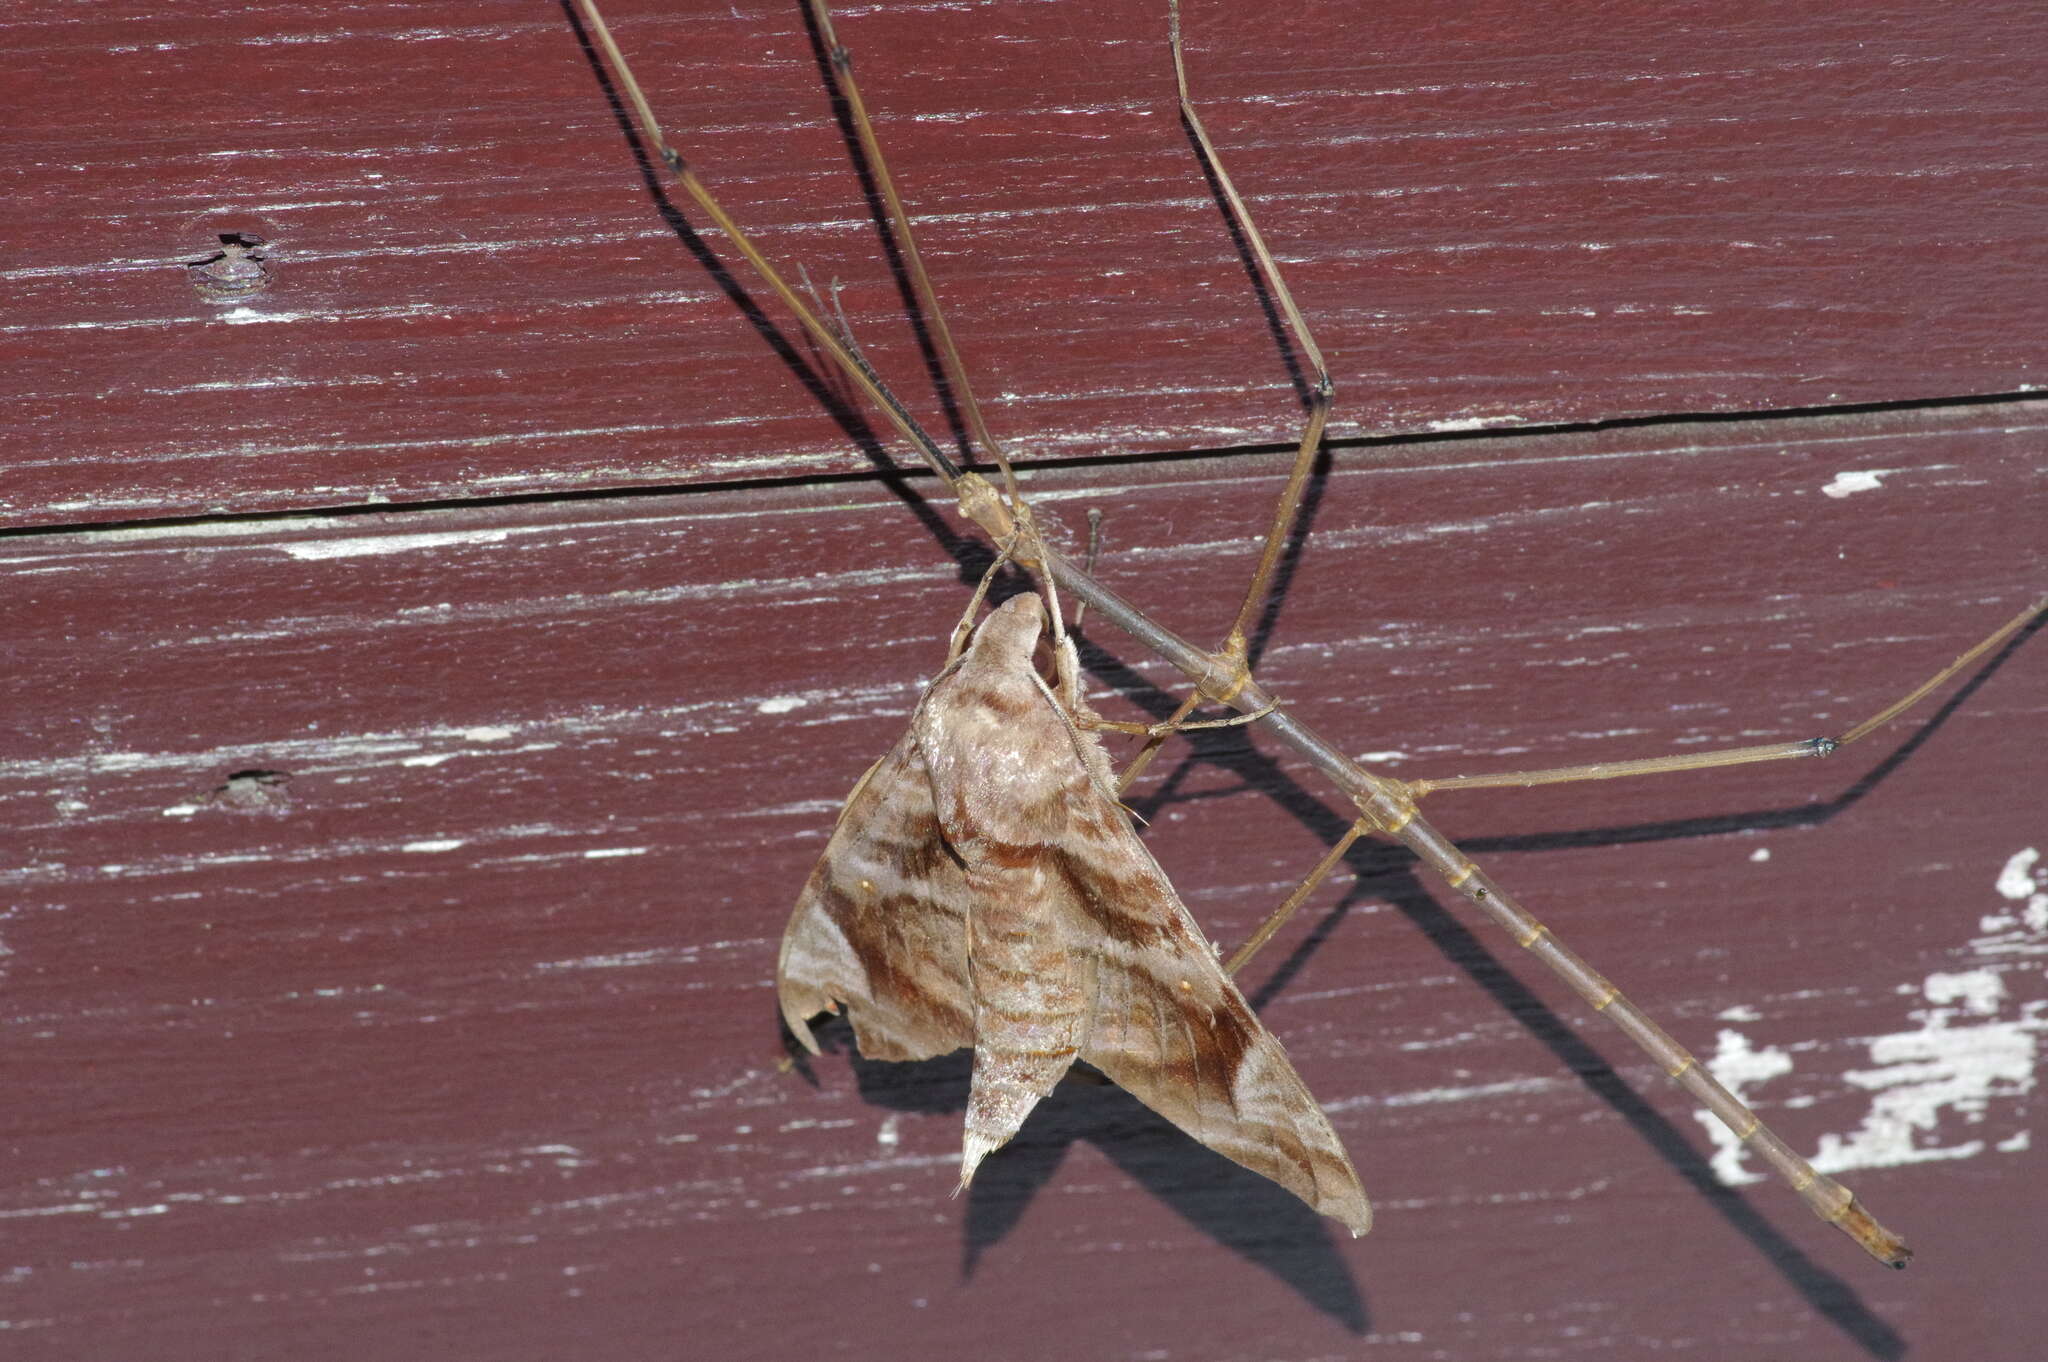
column 1736, row 756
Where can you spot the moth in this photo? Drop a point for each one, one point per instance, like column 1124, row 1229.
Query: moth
column 983, row 887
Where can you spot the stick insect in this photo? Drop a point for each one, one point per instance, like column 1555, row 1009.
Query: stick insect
column 1386, row 807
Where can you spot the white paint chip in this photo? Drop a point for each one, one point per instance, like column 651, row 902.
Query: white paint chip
column 363, row 545
column 1921, row 1074
column 2018, row 882
column 486, row 733
column 1760, row 855
column 1969, row 1057
column 1849, row 484
column 2016, row 876
column 1979, row 990
column 781, row 704
column 1737, row 1064
column 436, row 844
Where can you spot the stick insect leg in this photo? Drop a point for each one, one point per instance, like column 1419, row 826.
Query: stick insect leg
column 1387, row 806
column 1277, row 919
column 1320, row 391
column 1025, row 547
column 1827, row 1198
column 1234, row 653
column 1088, row 565
column 820, row 332
column 841, row 61
column 1318, row 398
column 1736, row 756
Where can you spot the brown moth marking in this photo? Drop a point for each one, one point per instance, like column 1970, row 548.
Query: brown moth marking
column 983, row 887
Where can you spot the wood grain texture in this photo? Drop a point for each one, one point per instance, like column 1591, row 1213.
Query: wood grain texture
column 461, row 1043
column 476, row 1035
column 1515, row 214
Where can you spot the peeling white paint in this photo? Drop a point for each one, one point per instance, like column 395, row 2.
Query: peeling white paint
column 1972, row 1050
column 781, row 704
column 1458, row 423
column 1941, row 1067
column 364, row 545
column 625, row 959
column 1426, row 1096
column 1738, row 1065
column 434, row 844
column 1849, row 484
column 802, row 808
column 2018, row 883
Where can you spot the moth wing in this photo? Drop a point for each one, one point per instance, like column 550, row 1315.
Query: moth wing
column 881, row 924
column 1170, row 1028
column 1079, row 940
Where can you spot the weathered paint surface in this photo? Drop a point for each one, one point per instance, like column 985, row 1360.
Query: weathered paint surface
column 1512, row 215
column 392, row 895
column 1953, row 1085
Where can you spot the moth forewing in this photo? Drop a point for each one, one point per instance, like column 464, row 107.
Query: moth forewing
column 902, row 976
column 983, row 887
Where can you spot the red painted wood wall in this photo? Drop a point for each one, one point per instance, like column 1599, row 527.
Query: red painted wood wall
column 1686, row 360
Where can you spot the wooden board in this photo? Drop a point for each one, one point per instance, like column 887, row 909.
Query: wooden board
column 462, row 1043
column 451, row 1035
column 1514, row 214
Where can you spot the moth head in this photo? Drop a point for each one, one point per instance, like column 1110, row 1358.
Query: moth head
column 1013, row 636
